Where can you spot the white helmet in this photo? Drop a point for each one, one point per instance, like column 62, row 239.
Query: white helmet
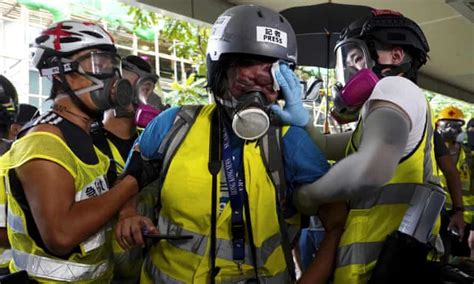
column 65, row 38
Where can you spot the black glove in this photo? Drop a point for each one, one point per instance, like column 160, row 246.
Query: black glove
column 145, row 172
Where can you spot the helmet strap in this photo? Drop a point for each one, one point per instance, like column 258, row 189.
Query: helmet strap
column 75, row 99
column 408, row 69
column 394, row 70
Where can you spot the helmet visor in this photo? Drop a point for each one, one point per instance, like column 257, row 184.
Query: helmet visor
column 100, row 63
column 351, row 56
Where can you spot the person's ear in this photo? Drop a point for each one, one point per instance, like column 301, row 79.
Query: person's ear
column 397, row 55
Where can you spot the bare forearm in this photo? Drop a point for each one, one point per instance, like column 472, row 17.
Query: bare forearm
column 453, row 180
column 129, row 208
column 322, row 266
column 89, row 216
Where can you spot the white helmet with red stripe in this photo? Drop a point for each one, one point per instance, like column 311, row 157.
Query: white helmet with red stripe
column 65, row 38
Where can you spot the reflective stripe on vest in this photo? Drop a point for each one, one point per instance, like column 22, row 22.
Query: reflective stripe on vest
column 3, row 215
column 365, row 253
column 161, row 277
column 6, row 256
column 15, row 223
column 397, row 193
column 197, row 245
column 57, row 269
column 358, row 253
column 157, row 275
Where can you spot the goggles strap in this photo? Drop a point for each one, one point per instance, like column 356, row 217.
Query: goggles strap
column 75, row 99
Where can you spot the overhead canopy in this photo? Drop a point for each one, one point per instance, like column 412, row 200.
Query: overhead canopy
column 447, row 24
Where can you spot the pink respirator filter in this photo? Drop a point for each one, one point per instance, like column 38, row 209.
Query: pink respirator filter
column 358, row 89
column 145, row 114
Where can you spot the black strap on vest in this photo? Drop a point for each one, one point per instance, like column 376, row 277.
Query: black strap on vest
column 273, row 158
column 253, row 249
column 214, row 168
column 100, row 140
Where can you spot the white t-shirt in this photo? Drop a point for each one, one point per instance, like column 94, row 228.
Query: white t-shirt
column 407, row 96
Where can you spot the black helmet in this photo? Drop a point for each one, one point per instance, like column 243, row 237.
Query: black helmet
column 392, row 29
column 8, row 102
column 251, row 29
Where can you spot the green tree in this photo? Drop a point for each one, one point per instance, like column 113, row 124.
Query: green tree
column 141, row 19
column 190, row 92
column 190, row 41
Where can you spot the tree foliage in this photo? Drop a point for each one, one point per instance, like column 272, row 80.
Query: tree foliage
column 190, row 92
column 189, row 40
column 142, row 19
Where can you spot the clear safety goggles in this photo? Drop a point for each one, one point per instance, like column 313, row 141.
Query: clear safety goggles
column 100, row 63
column 352, row 55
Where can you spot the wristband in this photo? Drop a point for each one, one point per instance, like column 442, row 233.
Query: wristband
column 458, row 208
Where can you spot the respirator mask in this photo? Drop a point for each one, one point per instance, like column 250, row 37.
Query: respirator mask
column 109, row 89
column 149, row 103
column 246, row 102
column 450, row 129
column 355, row 79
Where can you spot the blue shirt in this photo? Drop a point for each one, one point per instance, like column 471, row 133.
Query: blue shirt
column 302, row 160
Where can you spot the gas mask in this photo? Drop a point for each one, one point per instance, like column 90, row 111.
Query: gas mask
column 355, row 80
column 246, row 102
column 149, row 103
column 249, row 114
column 450, row 129
column 109, row 90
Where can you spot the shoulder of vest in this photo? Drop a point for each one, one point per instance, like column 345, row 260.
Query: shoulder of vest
column 47, row 118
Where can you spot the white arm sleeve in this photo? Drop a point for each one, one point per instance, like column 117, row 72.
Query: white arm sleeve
column 364, row 172
column 409, row 98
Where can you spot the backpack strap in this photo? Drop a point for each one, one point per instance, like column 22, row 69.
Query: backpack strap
column 271, row 150
column 99, row 138
column 173, row 139
column 175, row 136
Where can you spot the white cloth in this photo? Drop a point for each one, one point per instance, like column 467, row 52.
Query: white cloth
column 407, row 96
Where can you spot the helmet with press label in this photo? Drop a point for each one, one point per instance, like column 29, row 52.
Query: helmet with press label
column 255, row 30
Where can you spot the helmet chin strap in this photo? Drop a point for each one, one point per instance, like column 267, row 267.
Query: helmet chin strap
column 394, row 70
column 75, row 99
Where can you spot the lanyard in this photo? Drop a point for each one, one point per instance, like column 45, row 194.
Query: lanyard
column 235, row 184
